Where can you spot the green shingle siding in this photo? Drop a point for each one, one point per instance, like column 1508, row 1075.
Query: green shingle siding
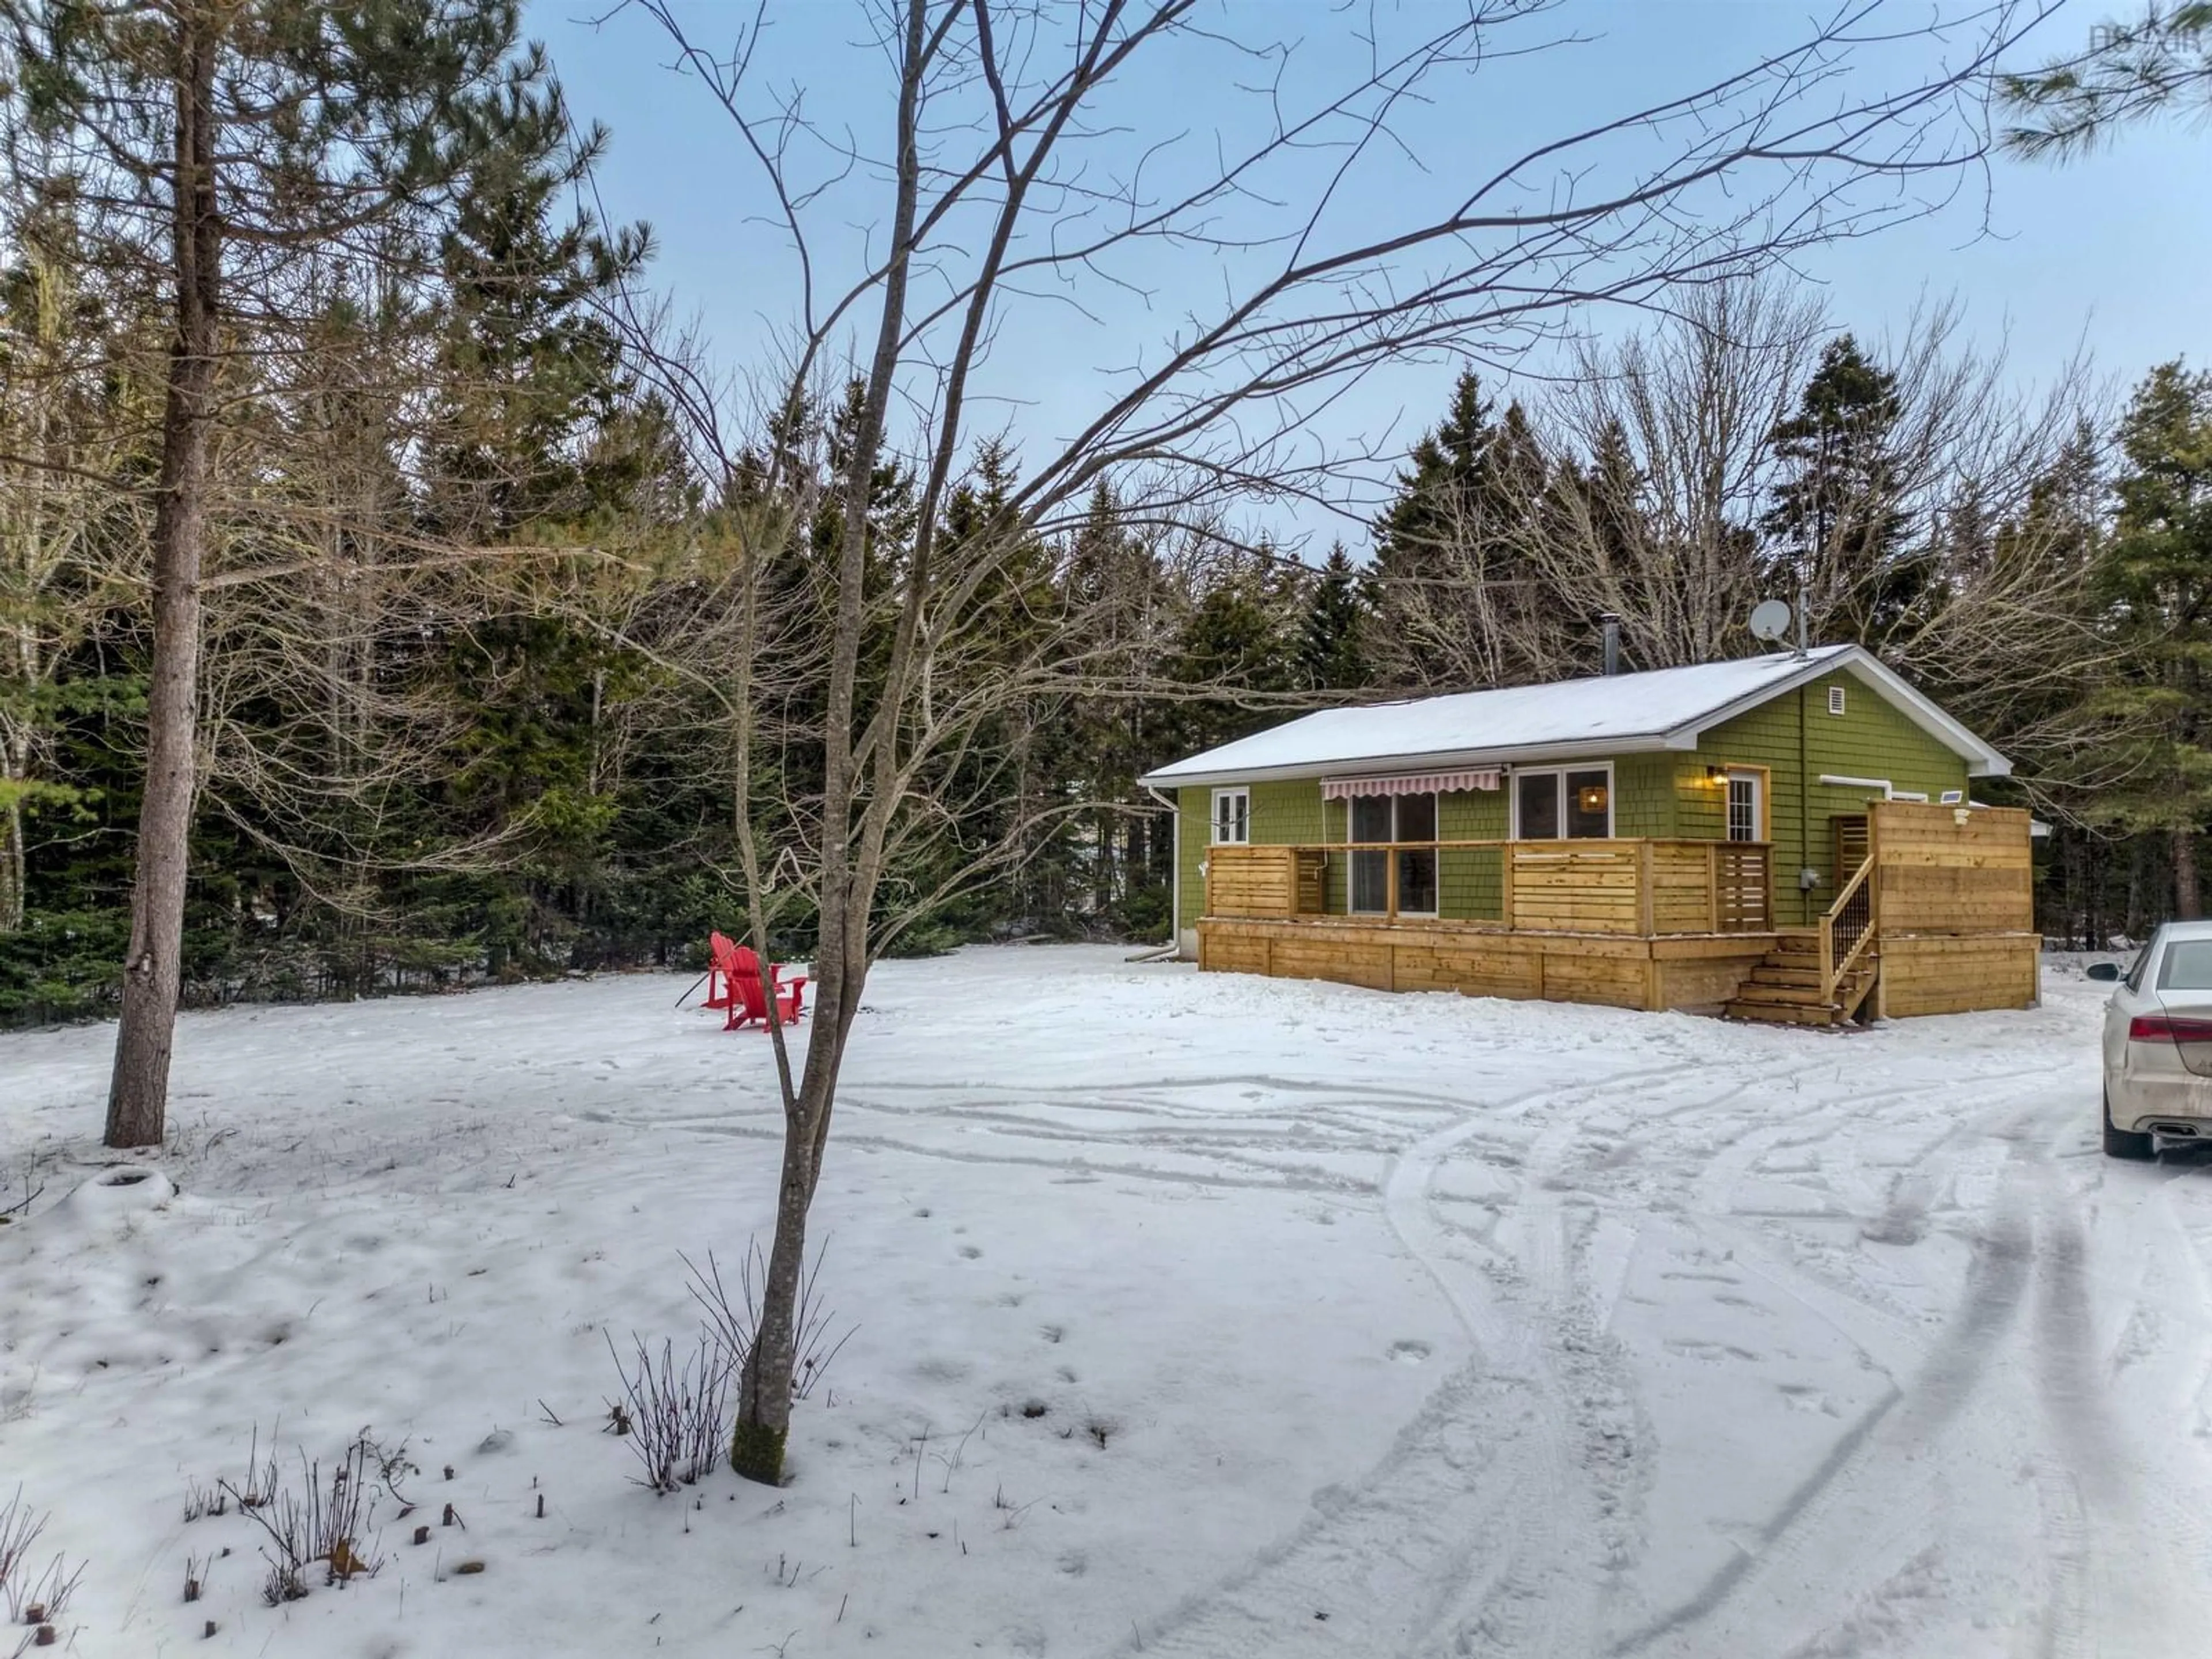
column 1281, row 813
column 1662, row 794
column 1643, row 796
column 1871, row 739
column 1294, row 813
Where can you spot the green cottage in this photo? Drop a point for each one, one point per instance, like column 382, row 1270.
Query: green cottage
column 1788, row 837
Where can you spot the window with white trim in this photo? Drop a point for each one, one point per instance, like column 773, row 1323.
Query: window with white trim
column 1569, row 803
column 1232, row 817
column 1745, row 809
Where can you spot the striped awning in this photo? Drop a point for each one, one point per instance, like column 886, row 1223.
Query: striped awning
column 1411, row 783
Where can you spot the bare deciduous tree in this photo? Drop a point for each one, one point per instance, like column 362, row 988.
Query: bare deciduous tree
column 73, row 415
column 1655, row 517
column 1003, row 176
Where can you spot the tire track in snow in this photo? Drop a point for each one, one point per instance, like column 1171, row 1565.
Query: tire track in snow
column 2143, row 1544
column 1386, row 1557
column 1870, row 1507
column 1865, row 1503
column 1583, row 1472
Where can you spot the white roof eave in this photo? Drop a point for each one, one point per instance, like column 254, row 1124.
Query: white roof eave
column 1434, row 761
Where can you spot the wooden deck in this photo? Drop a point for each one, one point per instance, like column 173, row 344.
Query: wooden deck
column 1936, row 918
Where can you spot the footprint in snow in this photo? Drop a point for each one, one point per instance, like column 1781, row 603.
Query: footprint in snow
column 1408, row 1352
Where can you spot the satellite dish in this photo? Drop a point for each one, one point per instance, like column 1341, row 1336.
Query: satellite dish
column 1770, row 620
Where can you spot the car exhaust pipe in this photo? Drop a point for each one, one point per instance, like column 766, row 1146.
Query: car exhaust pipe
column 2175, row 1131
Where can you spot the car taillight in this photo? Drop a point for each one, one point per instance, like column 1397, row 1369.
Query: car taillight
column 2168, row 1028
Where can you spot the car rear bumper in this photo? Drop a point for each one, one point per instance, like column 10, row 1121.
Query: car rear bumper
column 2140, row 1104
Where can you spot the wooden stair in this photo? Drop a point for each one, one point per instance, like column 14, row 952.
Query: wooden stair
column 1784, row 989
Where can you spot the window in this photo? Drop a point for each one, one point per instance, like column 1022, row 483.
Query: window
column 1575, row 803
column 1232, row 817
column 1417, row 868
column 2142, row 963
column 1370, row 872
column 2187, row 966
column 1744, row 805
column 1391, row 819
column 1536, row 806
column 1835, row 700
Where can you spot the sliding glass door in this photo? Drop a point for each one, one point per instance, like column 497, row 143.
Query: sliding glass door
column 1371, row 820
column 1393, row 818
column 1417, row 866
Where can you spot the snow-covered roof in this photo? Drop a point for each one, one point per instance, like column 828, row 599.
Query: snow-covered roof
column 1610, row 715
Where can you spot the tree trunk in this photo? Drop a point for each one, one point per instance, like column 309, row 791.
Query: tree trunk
column 2188, row 896
column 15, row 859
column 851, row 846
column 2135, row 926
column 764, row 1385
column 152, row 970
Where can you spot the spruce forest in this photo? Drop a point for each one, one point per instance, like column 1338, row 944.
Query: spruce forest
column 471, row 575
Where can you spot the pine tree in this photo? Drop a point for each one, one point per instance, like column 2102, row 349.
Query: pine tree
column 1237, row 641
column 2157, row 576
column 1836, row 529
column 231, row 153
column 1329, row 654
column 2133, row 71
column 1452, row 598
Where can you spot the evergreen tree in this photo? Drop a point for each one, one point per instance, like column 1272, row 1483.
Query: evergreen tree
column 1239, row 643
column 227, row 152
column 1605, row 547
column 1329, row 654
column 1452, row 598
column 2157, row 572
column 1836, row 529
column 1112, row 580
column 2133, row 71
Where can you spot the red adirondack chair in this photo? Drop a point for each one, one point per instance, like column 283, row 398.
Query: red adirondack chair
column 733, row 983
column 721, row 972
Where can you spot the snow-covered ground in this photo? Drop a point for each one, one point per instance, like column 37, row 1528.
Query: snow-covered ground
column 1409, row 1325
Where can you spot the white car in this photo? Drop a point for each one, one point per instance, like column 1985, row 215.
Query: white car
column 2158, row 1042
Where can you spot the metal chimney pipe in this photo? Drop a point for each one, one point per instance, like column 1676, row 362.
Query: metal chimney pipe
column 1611, row 624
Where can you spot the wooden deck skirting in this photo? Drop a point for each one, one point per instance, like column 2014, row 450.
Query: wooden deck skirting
column 1692, row 973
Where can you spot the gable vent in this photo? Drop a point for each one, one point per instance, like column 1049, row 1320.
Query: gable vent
column 1835, row 700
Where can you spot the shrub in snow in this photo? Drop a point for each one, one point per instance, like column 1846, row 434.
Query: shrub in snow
column 677, row 1414
column 735, row 1321
column 34, row 1600
column 319, row 1524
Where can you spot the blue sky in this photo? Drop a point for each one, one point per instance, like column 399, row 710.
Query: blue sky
column 2107, row 252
